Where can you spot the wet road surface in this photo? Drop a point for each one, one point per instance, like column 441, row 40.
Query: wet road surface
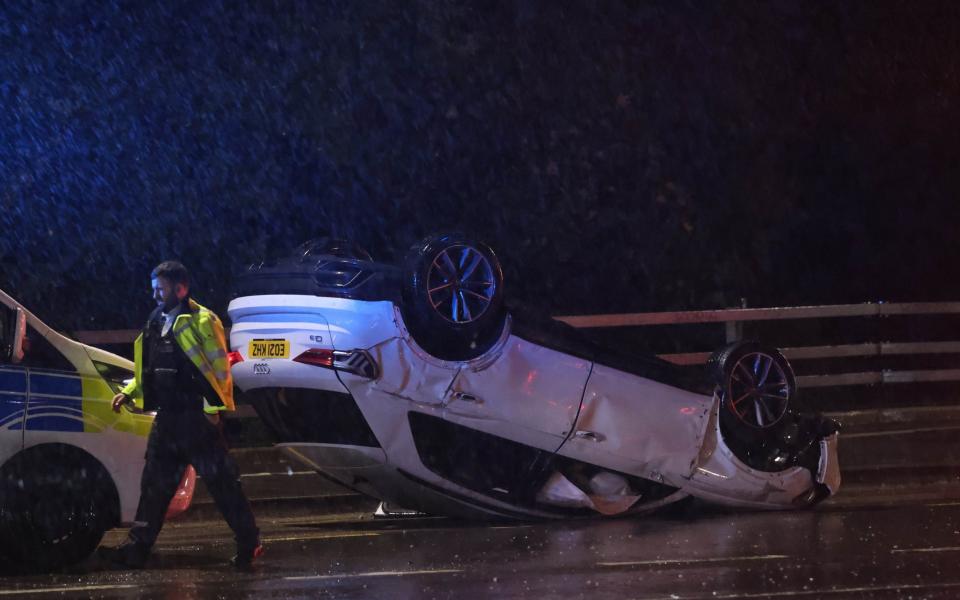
column 871, row 543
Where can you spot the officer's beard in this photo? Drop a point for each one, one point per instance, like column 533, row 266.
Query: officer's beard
column 169, row 304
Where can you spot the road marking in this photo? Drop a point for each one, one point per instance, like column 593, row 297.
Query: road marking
column 819, row 593
column 373, row 574
column 320, row 536
column 284, row 474
column 288, row 538
column 61, row 590
column 942, row 549
column 690, row 561
column 890, row 432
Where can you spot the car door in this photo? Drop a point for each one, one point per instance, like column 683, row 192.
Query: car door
column 638, row 426
column 54, row 391
column 13, row 406
column 527, row 393
column 13, row 390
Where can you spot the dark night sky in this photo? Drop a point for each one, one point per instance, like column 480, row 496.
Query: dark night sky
column 618, row 155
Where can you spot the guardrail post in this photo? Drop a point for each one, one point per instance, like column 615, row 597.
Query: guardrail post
column 735, row 328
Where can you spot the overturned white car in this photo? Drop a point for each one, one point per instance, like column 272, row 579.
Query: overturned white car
column 417, row 386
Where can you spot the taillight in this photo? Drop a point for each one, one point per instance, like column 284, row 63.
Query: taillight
column 234, row 357
column 358, row 362
column 317, row 357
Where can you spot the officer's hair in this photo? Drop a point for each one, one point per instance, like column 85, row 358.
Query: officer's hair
column 173, row 271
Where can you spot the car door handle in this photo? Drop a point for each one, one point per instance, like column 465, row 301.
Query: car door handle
column 465, row 397
column 591, row 436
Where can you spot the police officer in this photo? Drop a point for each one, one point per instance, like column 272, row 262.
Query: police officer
column 181, row 371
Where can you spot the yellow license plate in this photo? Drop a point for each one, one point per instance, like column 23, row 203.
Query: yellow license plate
column 269, row 349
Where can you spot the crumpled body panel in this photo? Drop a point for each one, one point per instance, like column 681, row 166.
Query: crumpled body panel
column 405, row 373
column 639, row 426
column 529, row 394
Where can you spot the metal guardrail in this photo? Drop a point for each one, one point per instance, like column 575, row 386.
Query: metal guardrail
column 762, row 314
column 741, row 315
column 736, row 316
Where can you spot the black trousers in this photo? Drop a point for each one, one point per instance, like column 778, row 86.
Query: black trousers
column 176, row 440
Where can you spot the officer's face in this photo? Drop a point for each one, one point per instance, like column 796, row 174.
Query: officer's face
column 166, row 293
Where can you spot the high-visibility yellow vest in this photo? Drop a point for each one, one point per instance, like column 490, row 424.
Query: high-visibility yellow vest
column 199, row 333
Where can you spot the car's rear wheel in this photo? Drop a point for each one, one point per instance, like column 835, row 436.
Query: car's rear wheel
column 453, row 296
column 757, row 389
column 57, row 502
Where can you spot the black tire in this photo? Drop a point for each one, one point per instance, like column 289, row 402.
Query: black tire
column 758, row 390
column 453, row 296
column 57, row 501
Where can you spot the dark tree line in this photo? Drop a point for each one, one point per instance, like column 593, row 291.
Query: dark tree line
column 619, row 155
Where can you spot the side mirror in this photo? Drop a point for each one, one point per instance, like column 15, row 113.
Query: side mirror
column 13, row 338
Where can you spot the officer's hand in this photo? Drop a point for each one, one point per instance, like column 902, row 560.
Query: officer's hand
column 119, row 400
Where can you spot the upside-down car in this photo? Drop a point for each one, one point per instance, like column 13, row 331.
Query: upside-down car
column 416, row 385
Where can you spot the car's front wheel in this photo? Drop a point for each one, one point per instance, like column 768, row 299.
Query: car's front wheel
column 57, row 502
column 757, row 389
column 453, row 296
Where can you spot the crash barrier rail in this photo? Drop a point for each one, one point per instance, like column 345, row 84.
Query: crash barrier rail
column 734, row 318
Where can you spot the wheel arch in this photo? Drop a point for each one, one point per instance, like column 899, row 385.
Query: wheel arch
column 463, row 336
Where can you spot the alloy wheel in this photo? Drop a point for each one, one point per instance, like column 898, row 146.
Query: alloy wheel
column 461, row 284
column 758, row 390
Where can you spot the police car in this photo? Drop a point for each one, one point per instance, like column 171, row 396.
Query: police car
column 69, row 466
column 420, row 386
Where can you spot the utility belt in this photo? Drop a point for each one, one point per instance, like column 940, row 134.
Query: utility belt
column 170, row 393
column 164, row 380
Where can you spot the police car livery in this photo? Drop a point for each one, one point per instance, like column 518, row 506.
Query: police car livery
column 69, row 466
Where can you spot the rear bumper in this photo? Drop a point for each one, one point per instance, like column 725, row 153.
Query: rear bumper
column 312, row 416
column 281, row 373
